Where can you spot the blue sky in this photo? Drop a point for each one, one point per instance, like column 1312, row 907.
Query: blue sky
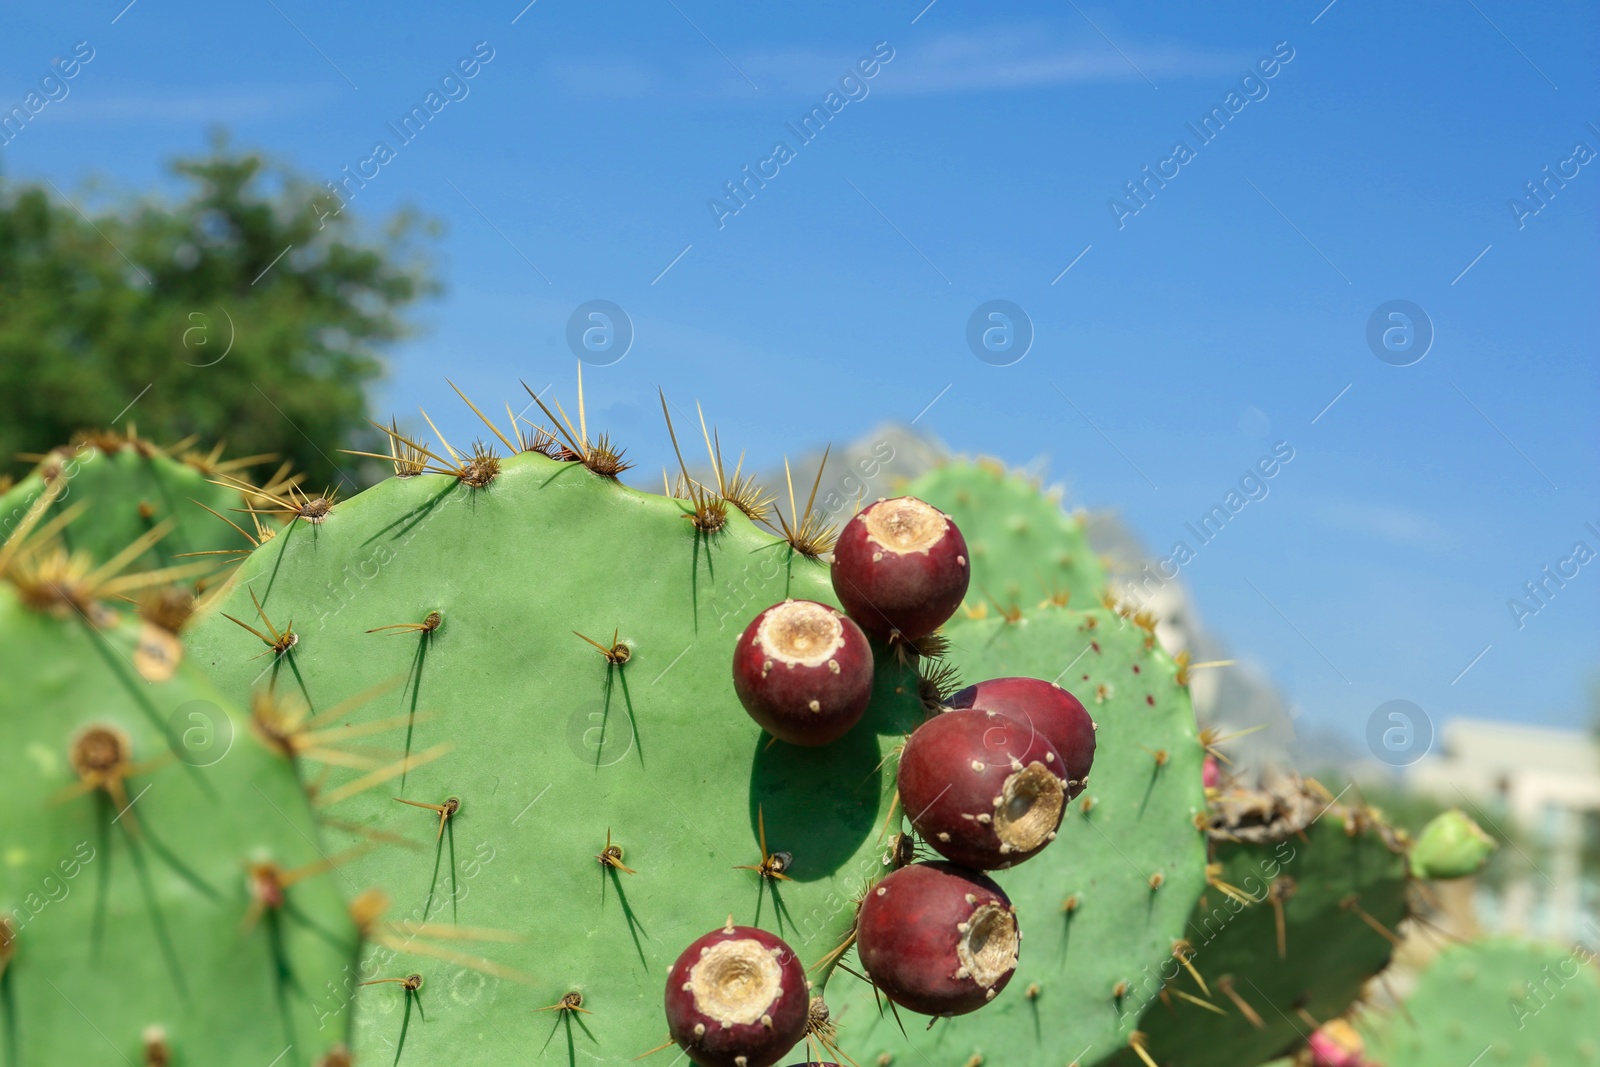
column 979, row 163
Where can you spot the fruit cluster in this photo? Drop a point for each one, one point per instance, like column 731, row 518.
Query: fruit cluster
column 984, row 781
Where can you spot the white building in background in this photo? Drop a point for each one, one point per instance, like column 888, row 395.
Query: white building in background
column 1544, row 781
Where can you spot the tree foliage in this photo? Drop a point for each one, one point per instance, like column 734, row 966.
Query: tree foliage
column 252, row 308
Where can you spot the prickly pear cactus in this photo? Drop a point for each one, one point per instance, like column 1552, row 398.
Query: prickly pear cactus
column 129, row 487
column 1491, row 1002
column 1025, row 549
column 1303, row 910
column 554, row 651
column 144, row 827
column 1104, row 906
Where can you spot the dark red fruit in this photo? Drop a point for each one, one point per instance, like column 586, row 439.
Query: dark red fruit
column 900, row 566
column 737, row 997
column 982, row 788
column 804, row 672
column 1047, row 708
column 937, row 939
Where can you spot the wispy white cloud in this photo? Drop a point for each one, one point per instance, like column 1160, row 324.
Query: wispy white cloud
column 1386, row 522
column 1021, row 57
column 998, row 58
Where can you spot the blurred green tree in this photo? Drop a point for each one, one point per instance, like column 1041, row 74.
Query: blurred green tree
column 251, row 310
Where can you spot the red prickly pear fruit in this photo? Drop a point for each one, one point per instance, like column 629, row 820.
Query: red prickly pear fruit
column 1047, row 708
column 1210, row 772
column 901, row 566
column 982, row 788
column 804, row 672
column 737, row 997
column 1337, row 1044
column 938, row 939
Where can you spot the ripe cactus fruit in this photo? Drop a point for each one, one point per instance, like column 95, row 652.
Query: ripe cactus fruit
column 981, row 788
column 737, row 997
column 130, row 487
column 1105, row 904
column 1336, row 1044
column 1498, row 1000
column 900, row 568
column 1450, row 846
column 137, row 806
column 938, row 939
column 606, row 795
column 1058, row 716
column 803, row 671
column 1024, row 549
column 1304, row 907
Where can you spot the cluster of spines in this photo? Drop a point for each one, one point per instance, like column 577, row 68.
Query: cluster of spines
column 806, row 530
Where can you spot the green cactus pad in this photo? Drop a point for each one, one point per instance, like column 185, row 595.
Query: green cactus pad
column 557, row 749
column 1335, row 864
column 1497, row 1001
column 1025, row 549
column 126, row 903
column 128, row 489
column 1144, row 795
